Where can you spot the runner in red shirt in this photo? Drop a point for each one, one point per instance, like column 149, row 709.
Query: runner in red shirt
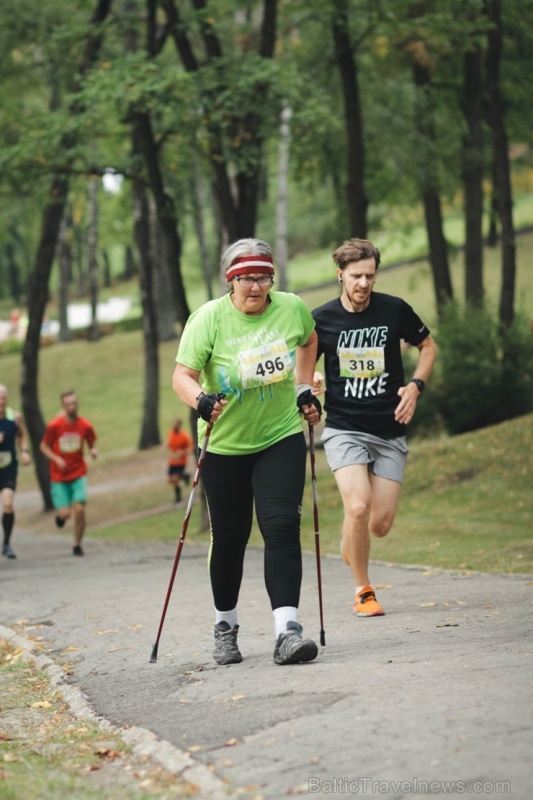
column 179, row 444
column 63, row 444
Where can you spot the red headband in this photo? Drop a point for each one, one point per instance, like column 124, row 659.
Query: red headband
column 244, row 265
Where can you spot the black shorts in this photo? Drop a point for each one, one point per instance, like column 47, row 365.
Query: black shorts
column 8, row 477
column 174, row 469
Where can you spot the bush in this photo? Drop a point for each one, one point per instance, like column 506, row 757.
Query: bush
column 12, row 346
column 128, row 324
column 486, row 372
column 517, row 370
column 427, row 421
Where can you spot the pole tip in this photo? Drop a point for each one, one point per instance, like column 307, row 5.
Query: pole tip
column 153, row 657
column 322, row 638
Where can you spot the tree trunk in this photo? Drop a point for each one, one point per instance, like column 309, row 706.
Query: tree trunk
column 65, row 266
column 473, row 177
column 492, row 235
column 198, row 217
column 141, row 215
column 438, row 251
column 81, row 278
column 93, row 332
column 130, row 267
column 37, row 299
column 165, row 211
column 281, row 249
column 107, row 269
column 248, row 190
column 166, row 310
column 500, row 146
column 357, row 200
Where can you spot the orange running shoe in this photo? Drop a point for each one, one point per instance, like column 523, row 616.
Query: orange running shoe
column 366, row 605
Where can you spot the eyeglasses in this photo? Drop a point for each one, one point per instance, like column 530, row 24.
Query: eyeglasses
column 247, row 280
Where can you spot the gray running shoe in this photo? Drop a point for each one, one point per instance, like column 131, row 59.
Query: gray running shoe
column 291, row 648
column 226, row 649
column 7, row 551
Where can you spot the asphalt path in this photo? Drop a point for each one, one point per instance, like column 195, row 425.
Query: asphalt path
column 432, row 699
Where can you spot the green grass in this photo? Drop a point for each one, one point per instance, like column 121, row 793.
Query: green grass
column 48, row 754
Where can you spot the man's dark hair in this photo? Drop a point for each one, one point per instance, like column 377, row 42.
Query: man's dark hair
column 355, row 250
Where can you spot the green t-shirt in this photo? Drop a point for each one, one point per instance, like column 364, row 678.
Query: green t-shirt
column 251, row 359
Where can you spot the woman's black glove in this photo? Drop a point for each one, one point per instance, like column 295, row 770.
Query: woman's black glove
column 307, row 398
column 206, row 404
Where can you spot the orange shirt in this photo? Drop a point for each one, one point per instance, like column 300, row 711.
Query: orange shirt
column 180, row 445
column 67, row 440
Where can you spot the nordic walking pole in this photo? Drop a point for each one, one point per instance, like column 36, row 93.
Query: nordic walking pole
column 153, row 657
column 317, row 534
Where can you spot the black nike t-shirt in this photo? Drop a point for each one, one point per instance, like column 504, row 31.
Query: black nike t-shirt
column 363, row 362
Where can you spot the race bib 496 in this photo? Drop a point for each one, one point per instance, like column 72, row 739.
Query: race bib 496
column 268, row 363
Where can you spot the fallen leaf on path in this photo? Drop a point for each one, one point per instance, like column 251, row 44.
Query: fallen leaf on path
column 105, row 752
column 103, row 633
column 238, row 696
column 41, row 704
column 425, row 605
column 231, row 742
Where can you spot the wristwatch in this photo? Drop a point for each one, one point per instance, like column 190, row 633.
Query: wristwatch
column 420, row 384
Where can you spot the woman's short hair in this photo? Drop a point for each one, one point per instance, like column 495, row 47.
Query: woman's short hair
column 240, row 248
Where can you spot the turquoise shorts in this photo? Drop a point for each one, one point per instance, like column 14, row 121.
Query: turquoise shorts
column 64, row 493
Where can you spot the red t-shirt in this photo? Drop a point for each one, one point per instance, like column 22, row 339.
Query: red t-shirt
column 177, row 442
column 66, row 440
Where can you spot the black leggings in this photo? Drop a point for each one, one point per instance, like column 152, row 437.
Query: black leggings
column 275, row 479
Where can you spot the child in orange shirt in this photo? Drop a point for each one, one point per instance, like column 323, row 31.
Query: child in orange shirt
column 180, row 445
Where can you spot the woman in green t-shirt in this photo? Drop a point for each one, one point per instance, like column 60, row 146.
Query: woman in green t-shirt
column 258, row 348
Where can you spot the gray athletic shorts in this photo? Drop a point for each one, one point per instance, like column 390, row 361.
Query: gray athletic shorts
column 386, row 458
